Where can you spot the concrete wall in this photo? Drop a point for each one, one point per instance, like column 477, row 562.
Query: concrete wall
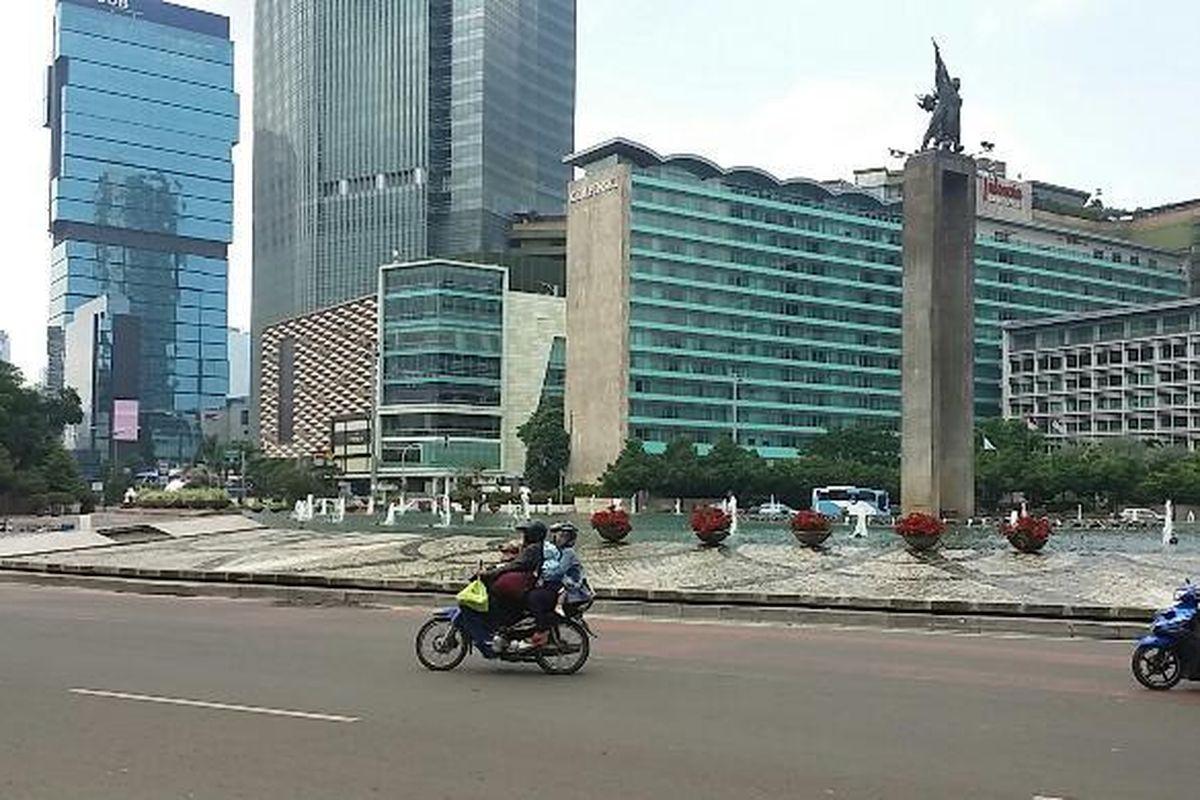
column 226, row 423
column 531, row 321
column 937, row 416
column 597, row 388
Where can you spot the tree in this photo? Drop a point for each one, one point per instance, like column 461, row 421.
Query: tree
column 290, row 479
column 210, row 452
column 681, row 469
column 547, row 445
column 35, row 470
column 1017, row 464
column 867, row 443
column 730, row 468
column 634, row 470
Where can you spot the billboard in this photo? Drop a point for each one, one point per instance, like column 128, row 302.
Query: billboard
column 1000, row 198
column 125, row 421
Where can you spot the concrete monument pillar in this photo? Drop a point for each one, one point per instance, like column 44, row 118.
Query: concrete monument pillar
column 937, row 473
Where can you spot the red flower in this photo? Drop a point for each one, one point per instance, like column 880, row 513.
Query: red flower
column 1036, row 528
column 613, row 520
column 918, row 524
column 710, row 519
column 810, row 521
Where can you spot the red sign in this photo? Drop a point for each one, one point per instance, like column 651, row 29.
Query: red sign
column 995, row 189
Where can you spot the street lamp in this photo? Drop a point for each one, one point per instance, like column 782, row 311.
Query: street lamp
column 737, row 379
column 404, row 472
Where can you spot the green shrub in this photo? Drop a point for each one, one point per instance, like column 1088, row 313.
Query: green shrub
column 184, row 498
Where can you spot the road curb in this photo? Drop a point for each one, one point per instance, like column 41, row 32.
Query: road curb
column 1062, row 621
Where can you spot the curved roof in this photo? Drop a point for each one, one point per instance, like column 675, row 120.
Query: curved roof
column 755, row 177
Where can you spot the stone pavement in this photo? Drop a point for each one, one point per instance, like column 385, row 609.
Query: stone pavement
column 881, row 570
column 113, row 528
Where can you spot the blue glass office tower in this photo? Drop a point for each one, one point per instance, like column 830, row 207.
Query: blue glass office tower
column 143, row 117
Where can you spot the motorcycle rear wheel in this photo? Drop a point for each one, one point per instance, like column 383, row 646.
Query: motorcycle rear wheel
column 441, row 645
column 1157, row 668
column 566, row 651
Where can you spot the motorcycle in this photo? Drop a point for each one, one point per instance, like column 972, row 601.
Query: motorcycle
column 1171, row 651
column 443, row 642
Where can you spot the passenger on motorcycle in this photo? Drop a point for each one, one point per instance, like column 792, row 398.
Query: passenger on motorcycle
column 574, row 581
column 561, row 569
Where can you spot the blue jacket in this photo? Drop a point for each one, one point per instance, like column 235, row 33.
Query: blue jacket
column 567, row 569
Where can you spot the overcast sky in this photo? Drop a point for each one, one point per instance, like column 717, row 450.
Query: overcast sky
column 1087, row 93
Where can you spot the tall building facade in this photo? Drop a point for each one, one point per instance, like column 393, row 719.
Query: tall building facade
column 5, row 347
column 400, row 129
column 317, row 368
column 704, row 302
column 143, row 120
column 1132, row 372
column 239, row 363
column 465, row 361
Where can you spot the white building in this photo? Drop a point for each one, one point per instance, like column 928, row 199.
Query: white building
column 1132, row 372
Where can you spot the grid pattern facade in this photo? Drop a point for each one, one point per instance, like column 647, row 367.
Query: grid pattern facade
column 442, row 327
column 143, row 119
column 771, row 310
column 1108, row 375
column 400, row 129
column 316, row 369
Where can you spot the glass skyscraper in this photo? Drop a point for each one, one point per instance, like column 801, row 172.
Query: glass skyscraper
column 705, row 302
column 441, row 380
column 393, row 130
column 143, row 119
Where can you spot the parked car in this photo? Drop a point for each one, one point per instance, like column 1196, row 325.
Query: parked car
column 772, row 511
column 1140, row 515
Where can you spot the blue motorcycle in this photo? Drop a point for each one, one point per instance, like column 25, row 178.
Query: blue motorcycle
column 445, row 639
column 1171, row 651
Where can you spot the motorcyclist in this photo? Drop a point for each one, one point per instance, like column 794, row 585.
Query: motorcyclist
column 509, row 582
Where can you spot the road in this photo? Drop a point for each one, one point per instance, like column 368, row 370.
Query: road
column 104, row 695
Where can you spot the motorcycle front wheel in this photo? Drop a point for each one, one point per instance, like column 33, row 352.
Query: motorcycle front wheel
column 1156, row 667
column 566, row 651
column 441, row 645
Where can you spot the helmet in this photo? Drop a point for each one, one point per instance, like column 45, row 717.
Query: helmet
column 532, row 531
column 564, row 533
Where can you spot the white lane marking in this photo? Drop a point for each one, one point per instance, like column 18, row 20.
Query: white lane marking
column 180, row 701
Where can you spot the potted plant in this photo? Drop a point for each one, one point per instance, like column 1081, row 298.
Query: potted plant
column 920, row 531
column 1027, row 534
column 811, row 528
column 711, row 524
column 612, row 523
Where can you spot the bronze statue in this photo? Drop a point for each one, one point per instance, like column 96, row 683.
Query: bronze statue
column 944, row 131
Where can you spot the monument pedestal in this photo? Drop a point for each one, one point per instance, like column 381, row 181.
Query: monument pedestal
column 937, row 473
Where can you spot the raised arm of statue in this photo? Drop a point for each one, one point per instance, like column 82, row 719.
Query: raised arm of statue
column 945, row 87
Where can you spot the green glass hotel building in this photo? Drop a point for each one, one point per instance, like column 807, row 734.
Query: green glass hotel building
column 705, row 301
column 464, row 361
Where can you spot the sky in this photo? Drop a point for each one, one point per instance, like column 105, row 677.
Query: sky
column 1094, row 94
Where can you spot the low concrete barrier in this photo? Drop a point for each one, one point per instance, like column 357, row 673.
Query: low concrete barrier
column 1098, row 622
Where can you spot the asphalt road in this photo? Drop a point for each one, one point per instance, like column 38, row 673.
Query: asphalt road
column 121, row 696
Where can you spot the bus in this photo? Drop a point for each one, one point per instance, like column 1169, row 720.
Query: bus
column 832, row 501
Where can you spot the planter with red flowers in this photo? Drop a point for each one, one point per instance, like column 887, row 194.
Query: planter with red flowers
column 711, row 524
column 1027, row 534
column 612, row 524
column 811, row 528
column 920, row 531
